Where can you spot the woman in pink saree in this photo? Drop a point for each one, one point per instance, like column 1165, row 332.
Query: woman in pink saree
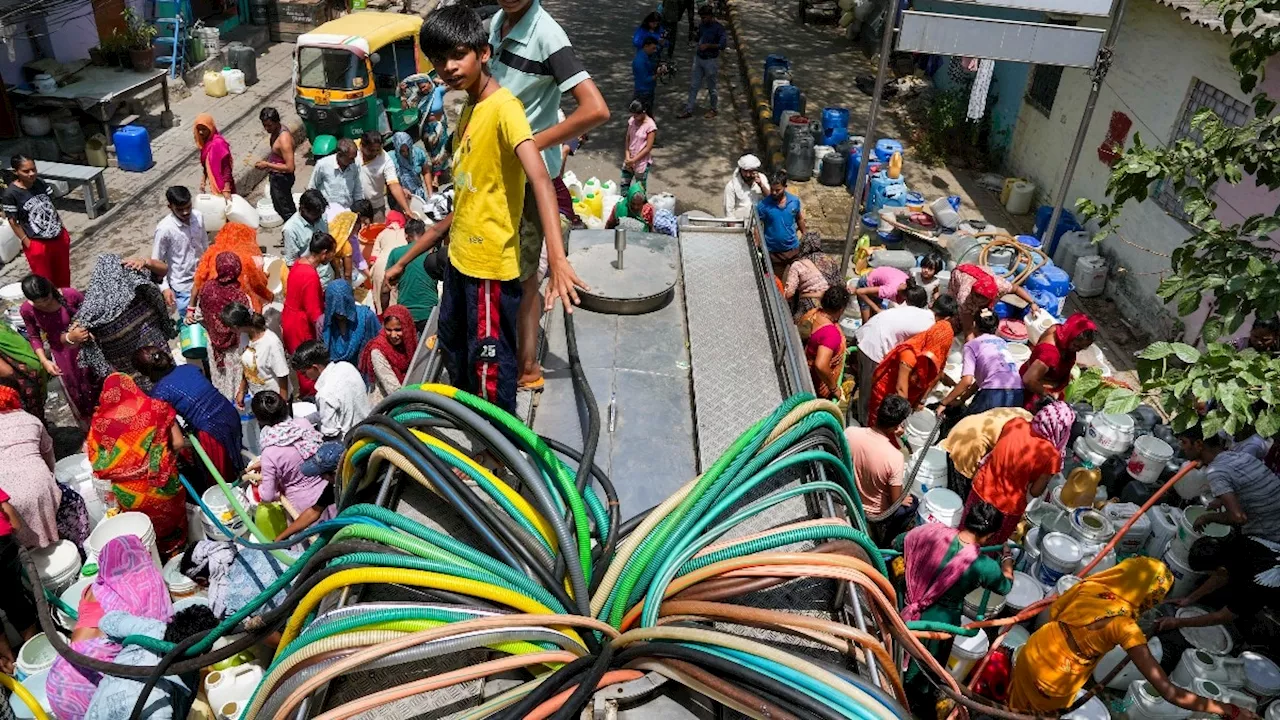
column 215, row 158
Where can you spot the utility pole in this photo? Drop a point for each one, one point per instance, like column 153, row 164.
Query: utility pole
column 1098, row 73
column 869, row 140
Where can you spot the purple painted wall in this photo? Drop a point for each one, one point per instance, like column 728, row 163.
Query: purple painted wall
column 65, row 38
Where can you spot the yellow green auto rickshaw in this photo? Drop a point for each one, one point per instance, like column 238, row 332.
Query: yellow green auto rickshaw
column 347, row 74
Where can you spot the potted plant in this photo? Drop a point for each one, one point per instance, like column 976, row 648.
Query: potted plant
column 111, row 47
column 138, row 36
column 97, row 57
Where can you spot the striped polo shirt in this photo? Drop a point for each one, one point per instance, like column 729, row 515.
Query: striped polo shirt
column 536, row 62
column 1257, row 488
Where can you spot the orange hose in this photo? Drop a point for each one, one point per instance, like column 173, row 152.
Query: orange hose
column 435, row 682
column 613, row 677
column 374, row 652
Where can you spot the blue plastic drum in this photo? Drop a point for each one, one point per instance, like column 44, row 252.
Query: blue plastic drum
column 133, row 148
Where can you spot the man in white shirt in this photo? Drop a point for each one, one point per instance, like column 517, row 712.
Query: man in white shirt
column 745, row 188
column 180, row 240
column 378, row 176
column 337, row 176
column 340, row 389
column 887, row 328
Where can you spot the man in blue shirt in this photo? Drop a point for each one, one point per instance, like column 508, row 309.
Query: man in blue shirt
column 712, row 39
column 782, row 223
column 644, row 68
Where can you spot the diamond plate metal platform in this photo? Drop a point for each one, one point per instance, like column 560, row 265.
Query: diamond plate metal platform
column 730, row 353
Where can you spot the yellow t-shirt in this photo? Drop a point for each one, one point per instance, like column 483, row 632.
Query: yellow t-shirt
column 973, row 437
column 488, row 185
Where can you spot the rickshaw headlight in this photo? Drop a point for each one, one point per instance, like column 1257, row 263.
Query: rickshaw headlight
column 303, row 110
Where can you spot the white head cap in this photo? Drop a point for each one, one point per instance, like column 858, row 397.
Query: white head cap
column 748, row 162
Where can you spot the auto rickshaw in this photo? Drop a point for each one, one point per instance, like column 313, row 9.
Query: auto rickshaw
column 347, row 74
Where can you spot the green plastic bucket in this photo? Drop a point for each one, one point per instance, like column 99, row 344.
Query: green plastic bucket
column 194, row 342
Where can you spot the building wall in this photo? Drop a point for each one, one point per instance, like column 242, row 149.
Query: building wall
column 64, row 38
column 1009, row 79
column 1158, row 56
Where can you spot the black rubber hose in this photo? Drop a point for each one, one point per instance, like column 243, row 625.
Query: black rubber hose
column 572, row 707
column 783, row 695
column 138, row 672
column 486, row 533
column 442, row 475
column 566, row 675
column 590, row 433
column 515, row 461
column 517, row 539
column 603, row 553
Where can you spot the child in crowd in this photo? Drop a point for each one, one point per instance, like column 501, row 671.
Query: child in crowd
column 287, row 442
column 340, row 390
column 494, row 153
column 878, row 288
column 644, row 71
column 323, row 464
column 265, row 364
column 637, row 154
column 47, row 316
column 927, row 274
column 417, row 289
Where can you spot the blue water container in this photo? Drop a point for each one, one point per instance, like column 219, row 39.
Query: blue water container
column 1004, row 311
column 1028, row 240
column 786, row 98
column 886, row 148
column 870, row 223
column 886, row 192
column 1066, row 223
column 1048, row 301
column 835, row 125
column 1050, row 279
column 133, row 148
column 775, row 61
column 914, row 198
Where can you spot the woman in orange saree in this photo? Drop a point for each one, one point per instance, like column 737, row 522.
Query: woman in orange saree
column 912, row 367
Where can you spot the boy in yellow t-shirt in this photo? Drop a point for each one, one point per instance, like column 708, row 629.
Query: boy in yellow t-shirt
column 493, row 152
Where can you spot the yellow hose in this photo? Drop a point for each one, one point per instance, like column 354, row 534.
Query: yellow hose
column 416, row 578
column 24, row 695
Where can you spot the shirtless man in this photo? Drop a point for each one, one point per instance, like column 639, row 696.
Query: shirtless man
column 279, row 164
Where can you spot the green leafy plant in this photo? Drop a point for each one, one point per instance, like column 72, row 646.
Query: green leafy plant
column 138, row 32
column 1103, row 395
column 1234, row 265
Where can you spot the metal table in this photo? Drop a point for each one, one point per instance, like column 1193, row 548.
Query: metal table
column 99, row 92
column 88, row 177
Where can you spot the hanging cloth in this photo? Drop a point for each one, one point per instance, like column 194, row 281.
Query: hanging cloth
column 981, row 84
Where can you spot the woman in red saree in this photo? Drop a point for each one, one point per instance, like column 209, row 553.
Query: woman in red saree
column 912, row 367
column 133, row 442
column 215, row 158
column 1046, row 373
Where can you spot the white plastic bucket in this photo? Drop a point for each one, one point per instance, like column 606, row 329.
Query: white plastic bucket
column 1091, row 527
column 966, row 652
column 129, row 523
column 1150, row 454
column 1130, row 673
column 1030, row 556
column 973, row 604
column 1086, row 453
column 1187, row 535
column 1273, row 711
column 36, row 655
column 1193, row 484
column 1015, row 639
column 58, row 565
column 1185, row 579
column 180, row 586
column 267, row 215
column 307, row 411
column 73, row 470
column 1143, row 702
column 1214, row 638
column 1060, row 554
column 1262, row 675
column 1133, row 541
column 1026, row 591
column 71, row 596
column 217, row 502
column 1019, row 353
column 36, row 686
column 1110, row 434
column 941, row 505
column 1095, row 709
column 918, row 428
column 933, row 470
column 1060, row 588
column 1164, row 526
column 1107, row 562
